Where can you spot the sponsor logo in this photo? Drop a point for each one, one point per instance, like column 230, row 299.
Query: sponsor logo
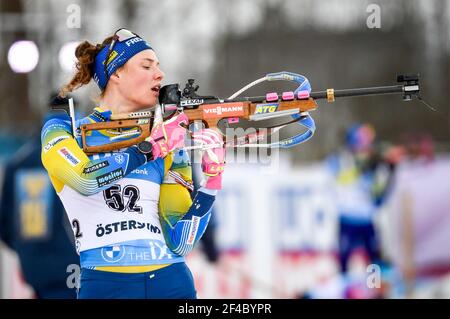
column 68, row 156
column 105, row 179
column 140, row 171
column 191, row 102
column 133, row 41
column 158, row 250
column 119, row 158
column 123, row 226
column 266, row 108
column 227, row 110
column 113, row 253
column 111, row 57
column 193, row 230
column 56, row 126
column 143, row 121
column 53, row 142
column 95, row 167
column 287, row 142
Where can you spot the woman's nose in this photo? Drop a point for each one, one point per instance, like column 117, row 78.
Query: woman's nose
column 159, row 74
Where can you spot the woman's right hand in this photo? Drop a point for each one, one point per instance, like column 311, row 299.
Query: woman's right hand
column 167, row 136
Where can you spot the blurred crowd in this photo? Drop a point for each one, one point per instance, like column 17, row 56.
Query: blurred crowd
column 384, row 220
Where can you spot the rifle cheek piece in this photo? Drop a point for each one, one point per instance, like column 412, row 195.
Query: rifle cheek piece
column 170, row 94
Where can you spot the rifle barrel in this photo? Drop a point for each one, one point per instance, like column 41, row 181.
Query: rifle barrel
column 379, row 90
column 360, row 91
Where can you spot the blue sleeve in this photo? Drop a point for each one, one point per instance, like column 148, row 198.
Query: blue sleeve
column 188, row 230
column 158, row 164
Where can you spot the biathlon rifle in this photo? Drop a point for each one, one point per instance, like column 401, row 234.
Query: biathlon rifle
column 218, row 114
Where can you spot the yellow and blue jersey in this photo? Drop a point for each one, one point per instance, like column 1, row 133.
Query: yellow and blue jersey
column 125, row 210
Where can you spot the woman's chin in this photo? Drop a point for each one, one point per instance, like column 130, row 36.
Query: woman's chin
column 152, row 102
column 145, row 104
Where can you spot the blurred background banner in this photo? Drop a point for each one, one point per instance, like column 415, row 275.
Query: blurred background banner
column 276, row 233
column 283, row 229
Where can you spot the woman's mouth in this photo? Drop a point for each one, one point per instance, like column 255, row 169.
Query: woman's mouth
column 156, row 88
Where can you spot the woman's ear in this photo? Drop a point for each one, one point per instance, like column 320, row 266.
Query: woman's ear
column 115, row 76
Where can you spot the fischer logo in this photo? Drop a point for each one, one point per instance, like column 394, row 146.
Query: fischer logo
column 133, row 41
column 212, row 111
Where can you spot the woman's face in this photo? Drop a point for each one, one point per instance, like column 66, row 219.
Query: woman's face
column 140, row 80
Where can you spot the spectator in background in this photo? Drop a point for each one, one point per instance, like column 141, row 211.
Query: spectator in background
column 359, row 191
column 419, row 146
column 417, row 210
column 33, row 222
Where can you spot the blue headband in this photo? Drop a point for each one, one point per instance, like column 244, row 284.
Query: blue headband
column 126, row 45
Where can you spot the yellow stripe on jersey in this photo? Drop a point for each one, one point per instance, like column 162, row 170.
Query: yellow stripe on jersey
column 131, row 269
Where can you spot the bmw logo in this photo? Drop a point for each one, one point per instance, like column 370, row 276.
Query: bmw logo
column 113, row 253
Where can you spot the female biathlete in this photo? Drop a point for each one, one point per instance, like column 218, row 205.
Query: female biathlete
column 131, row 211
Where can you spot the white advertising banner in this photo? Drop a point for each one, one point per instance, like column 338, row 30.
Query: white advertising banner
column 277, row 232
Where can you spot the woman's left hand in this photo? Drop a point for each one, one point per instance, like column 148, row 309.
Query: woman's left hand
column 213, row 157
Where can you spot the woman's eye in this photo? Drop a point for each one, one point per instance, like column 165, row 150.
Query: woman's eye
column 146, row 67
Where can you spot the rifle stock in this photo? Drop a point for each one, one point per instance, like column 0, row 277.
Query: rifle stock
column 141, row 125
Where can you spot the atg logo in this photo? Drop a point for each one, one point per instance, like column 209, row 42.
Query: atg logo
column 113, row 253
column 266, row 108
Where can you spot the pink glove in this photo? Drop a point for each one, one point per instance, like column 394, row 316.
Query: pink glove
column 213, row 159
column 167, row 136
